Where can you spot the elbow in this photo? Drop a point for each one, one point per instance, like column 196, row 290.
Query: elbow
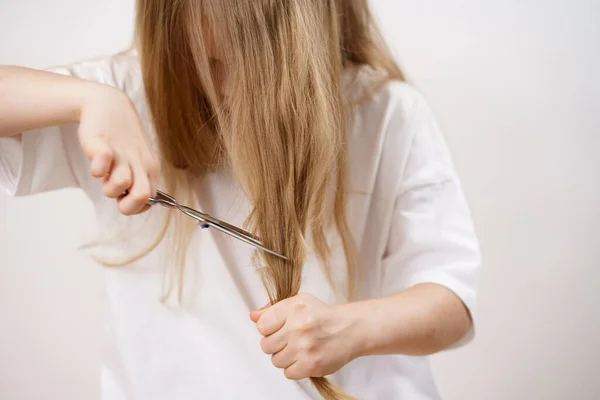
column 441, row 338
column 465, row 326
column 452, row 324
column 448, row 325
column 450, row 331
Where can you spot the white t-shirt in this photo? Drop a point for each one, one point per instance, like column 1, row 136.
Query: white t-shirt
column 407, row 213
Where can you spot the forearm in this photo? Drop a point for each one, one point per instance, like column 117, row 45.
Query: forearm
column 31, row 99
column 423, row 320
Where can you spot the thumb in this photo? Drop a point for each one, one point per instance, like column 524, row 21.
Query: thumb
column 256, row 314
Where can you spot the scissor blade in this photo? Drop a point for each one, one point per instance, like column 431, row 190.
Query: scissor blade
column 245, row 239
column 230, row 230
column 205, row 217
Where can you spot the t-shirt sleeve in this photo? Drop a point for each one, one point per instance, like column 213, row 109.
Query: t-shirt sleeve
column 51, row 158
column 432, row 237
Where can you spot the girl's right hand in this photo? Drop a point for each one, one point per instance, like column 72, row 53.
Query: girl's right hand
column 121, row 154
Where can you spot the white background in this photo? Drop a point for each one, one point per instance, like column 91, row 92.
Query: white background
column 516, row 86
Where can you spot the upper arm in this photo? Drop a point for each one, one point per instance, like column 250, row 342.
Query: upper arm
column 432, row 237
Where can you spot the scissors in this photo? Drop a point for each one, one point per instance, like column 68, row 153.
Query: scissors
column 207, row 221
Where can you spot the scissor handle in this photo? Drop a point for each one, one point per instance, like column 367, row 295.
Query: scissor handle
column 163, row 199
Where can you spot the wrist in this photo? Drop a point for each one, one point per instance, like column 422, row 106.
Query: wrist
column 93, row 94
column 73, row 96
column 360, row 332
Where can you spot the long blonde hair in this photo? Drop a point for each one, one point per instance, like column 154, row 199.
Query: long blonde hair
column 282, row 129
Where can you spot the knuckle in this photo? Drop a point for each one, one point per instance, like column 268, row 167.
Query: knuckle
column 102, row 158
column 300, row 306
column 307, row 344
column 291, row 375
column 125, row 210
column 260, row 325
column 100, row 165
column 276, row 362
column 307, row 324
column 108, row 190
column 300, row 300
column 122, row 181
column 106, row 153
column 264, row 323
column 141, row 196
column 265, row 345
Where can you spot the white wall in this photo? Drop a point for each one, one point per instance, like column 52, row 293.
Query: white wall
column 515, row 85
column 50, row 309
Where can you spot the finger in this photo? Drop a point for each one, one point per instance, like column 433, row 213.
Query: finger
column 256, row 314
column 275, row 343
column 119, row 181
column 143, row 210
column 294, row 372
column 273, row 318
column 284, row 358
column 139, row 194
column 152, row 168
column 102, row 161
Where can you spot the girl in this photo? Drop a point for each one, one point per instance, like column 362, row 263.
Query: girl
column 291, row 118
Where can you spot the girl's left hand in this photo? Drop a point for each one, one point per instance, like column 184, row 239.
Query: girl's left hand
column 306, row 337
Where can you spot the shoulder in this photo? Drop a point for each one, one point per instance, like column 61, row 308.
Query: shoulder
column 396, row 104
column 389, row 118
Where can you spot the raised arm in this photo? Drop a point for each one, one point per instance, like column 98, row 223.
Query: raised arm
column 110, row 131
